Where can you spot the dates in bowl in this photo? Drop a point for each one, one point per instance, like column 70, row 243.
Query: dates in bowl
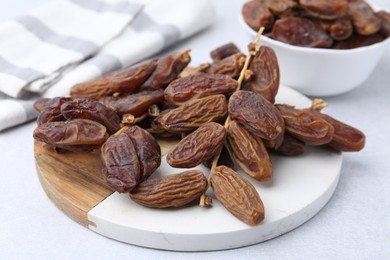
column 324, row 47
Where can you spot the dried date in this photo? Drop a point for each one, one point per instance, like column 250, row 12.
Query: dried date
column 278, row 7
column 257, row 115
column 192, row 114
column 357, row 41
column 224, row 51
column 122, row 81
column 93, row 110
column 120, row 164
column 168, row 68
column 266, row 75
column 363, row 17
column 326, row 9
column 71, row 132
column 300, row 32
column 135, row 104
column 198, row 146
column 249, row 153
column 237, row 195
column 51, row 110
column 174, row 190
column 230, row 66
column 385, row 25
column 291, row 146
column 191, row 87
column 256, row 14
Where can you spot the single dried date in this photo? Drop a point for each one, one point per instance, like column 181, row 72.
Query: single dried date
column 300, row 32
column 385, row 27
column 191, row 87
column 174, row 190
column 198, row 146
column 266, row 75
column 291, row 146
column 231, row 65
column 278, row 7
column 93, row 110
column 249, row 153
column 237, row 195
column 326, row 9
column 120, row 164
column 256, row 14
column 122, row 81
column 303, row 125
column 257, row 115
column 71, row 132
column 135, row 104
column 168, row 68
column 192, row 114
column 363, row 17
column 50, row 110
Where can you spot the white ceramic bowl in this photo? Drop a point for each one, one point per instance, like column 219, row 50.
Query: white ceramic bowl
column 323, row 72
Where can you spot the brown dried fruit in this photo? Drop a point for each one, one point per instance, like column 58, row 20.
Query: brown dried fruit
column 191, row 87
column 122, row 81
column 71, row 132
column 93, row 110
column 168, row 69
column 303, row 125
column 363, row 17
column 224, row 51
column 266, row 75
column 230, row 66
column 135, row 104
column 51, row 110
column 345, row 137
column 120, row 162
column 341, row 29
column 257, row 115
column 237, row 195
column 356, row 41
column 198, row 146
column 170, row 191
column 300, row 32
column 326, row 9
column 278, row 7
column 249, row 153
column 256, row 14
column 192, row 114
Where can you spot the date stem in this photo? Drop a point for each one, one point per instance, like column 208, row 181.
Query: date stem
column 253, row 48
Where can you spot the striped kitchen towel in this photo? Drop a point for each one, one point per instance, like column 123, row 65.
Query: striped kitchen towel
column 64, row 42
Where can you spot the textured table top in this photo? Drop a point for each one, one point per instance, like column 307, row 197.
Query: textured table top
column 355, row 224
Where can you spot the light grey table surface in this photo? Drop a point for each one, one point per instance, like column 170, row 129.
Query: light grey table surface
column 355, row 224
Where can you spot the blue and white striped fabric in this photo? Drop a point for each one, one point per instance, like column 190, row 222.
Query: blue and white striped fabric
column 64, row 42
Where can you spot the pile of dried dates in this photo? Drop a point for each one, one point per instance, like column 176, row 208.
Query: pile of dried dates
column 222, row 112
column 336, row 24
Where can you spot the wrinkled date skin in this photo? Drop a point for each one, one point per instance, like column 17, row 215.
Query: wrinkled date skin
column 174, row 190
column 122, row 81
column 256, row 14
column 363, row 17
column 231, row 65
column 291, row 146
column 50, row 110
column 309, row 128
column 237, row 195
column 193, row 114
column 168, row 69
column 257, row 115
column 120, row 164
column 148, row 150
column 224, row 51
column 198, row 146
column 301, row 32
column 71, row 132
column 249, row 153
column 191, row 87
column 266, row 75
column 136, row 104
column 326, row 9
column 93, row 110
column 345, row 138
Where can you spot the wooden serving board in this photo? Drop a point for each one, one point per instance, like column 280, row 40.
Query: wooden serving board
column 74, row 181
column 301, row 186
